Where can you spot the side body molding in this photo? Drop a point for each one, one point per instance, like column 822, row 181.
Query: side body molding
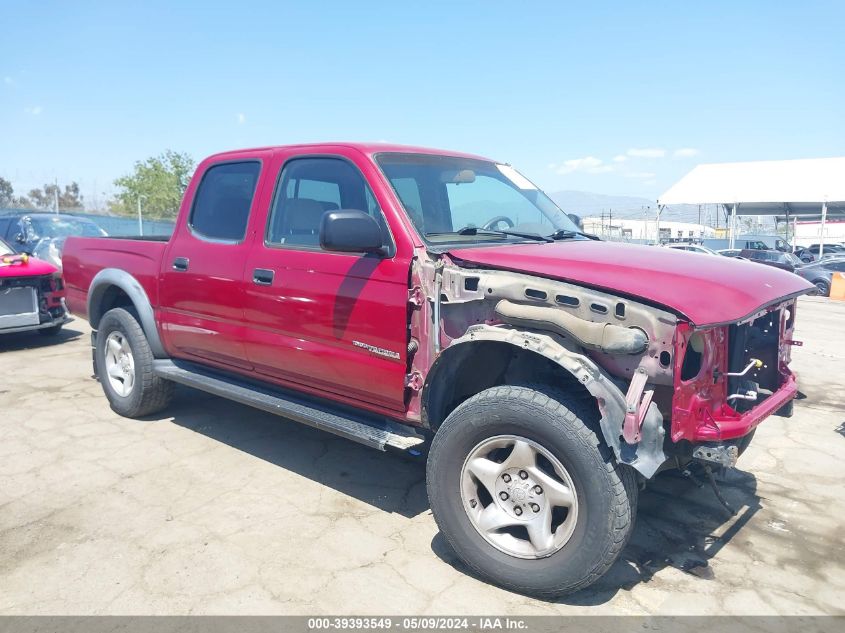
column 647, row 455
column 114, row 277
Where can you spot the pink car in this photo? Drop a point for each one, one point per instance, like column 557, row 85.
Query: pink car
column 31, row 294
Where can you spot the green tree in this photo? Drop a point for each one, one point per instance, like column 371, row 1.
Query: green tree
column 45, row 198
column 159, row 182
column 7, row 193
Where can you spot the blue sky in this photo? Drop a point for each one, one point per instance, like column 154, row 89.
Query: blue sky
column 619, row 98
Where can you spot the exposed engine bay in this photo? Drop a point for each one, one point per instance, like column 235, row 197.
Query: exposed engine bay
column 661, row 384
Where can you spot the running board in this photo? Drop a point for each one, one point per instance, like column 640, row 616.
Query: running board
column 377, row 433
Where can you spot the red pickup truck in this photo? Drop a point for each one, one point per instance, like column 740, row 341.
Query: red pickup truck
column 420, row 300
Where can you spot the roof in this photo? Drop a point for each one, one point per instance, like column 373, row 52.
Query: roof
column 765, row 187
column 365, row 147
column 38, row 213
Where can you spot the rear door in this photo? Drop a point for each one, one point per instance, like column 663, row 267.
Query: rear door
column 330, row 322
column 201, row 283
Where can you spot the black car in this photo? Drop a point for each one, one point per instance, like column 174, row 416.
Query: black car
column 811, row 254
column 43, row 234
column 778, row 259
column 820, row 273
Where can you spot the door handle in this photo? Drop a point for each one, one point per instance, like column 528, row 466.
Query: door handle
column 180, row 264
column 262, row 276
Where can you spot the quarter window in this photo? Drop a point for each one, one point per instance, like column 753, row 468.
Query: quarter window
column 223, row 199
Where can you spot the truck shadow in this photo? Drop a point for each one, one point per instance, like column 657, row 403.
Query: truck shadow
column 33, row 340
column 679, row 525
column 389, row 482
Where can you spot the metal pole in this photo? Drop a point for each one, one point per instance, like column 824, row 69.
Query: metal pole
column 140, row 220
column 821, row 237
column 657, row 222
column 733, row 226
column 56, row 196
column 791, row 246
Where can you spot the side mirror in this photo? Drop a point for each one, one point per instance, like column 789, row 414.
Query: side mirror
column 350, row 231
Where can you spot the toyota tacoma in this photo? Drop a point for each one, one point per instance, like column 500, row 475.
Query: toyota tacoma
column 439, row 303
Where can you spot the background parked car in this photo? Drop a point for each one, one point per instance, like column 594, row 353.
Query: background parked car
column 811, row 253
column 820, row 273
column 778, row 259
column 693, row 248
column 43, row 234
column 758, row 242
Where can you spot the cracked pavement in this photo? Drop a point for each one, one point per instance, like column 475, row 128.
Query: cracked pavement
column 215, row 508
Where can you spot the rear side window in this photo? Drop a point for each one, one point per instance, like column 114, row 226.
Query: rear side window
column 223, row 199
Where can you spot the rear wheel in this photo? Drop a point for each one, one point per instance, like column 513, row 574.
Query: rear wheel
column 527, row 494
column 124, row 364
column 822, row 288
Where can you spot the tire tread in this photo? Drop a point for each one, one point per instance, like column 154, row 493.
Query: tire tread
column 156, row 393
column 581, row 413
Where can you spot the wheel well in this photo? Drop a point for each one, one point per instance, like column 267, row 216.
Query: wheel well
column 112, row 297
column 469, row 368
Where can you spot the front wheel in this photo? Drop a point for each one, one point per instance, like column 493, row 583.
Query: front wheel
column 527, row 494
column 124, row 364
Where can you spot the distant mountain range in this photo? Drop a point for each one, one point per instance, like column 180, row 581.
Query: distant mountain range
column 585, row 203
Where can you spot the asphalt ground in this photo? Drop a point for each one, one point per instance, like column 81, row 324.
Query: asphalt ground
column 215, row 508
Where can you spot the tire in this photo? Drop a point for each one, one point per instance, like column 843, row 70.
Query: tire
column 562, row 426
column 822, row 288
column 146, row 393
column 50, row 331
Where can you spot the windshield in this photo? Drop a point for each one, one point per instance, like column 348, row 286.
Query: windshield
column 64, row 227
column 5, row 249
column 445, row 194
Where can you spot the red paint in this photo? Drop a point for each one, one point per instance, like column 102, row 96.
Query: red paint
column 707, row 290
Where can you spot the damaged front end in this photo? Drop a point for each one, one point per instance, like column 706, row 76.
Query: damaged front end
column 663, row 387
column 31, row 302
column 728, row 379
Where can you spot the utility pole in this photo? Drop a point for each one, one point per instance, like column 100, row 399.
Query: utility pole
column 56, row 195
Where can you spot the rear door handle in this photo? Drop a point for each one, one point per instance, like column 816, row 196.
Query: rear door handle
column 262, row 276
column 180, row 264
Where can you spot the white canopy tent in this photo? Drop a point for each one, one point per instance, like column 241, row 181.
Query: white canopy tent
column 810, row 187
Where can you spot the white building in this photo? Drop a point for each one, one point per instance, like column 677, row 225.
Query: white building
column 647, row 230
column 809, row 232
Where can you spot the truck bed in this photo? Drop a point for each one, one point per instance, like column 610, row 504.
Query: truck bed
column 84, row 257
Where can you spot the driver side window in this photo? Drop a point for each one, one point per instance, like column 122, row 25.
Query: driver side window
column 310, row 187
column 476, row 203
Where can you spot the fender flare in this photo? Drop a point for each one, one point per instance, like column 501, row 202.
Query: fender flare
column 109, row 277
column 646, row 456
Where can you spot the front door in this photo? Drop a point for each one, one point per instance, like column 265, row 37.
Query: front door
column 333, row 322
